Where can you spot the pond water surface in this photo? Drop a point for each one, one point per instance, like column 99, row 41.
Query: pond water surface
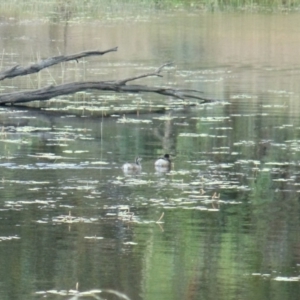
column 222, row 224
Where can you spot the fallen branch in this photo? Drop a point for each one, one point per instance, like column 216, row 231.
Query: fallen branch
column 49, row 92
column 34, row 68
column 71, row 88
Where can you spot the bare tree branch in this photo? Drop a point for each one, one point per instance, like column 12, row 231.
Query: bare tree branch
column 155, row 73
column 74, row 87
column 34, row 68
column 49, row 92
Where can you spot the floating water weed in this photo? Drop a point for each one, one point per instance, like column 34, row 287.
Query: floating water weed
column 28, row 182
column 29, row 129
column 26, row 202
column 42, row 222
column 156, row 200
column 9, row 238
column 135, row 121
column 181, row 124
column 167, row 117
column 281, row 278
column 130, row 243
column 99, row 163
column 274, row 163
column 131, row 181
column 211, row 119
column 244, row 143
column 69, row 219
column 94, row 237
column 77, row 295
column 46, row 155
column 121, row 212
column 191, row 134
column 76, row 151
column 243, row 96
column 17, row 141
column 280, row 92
column 61, row 165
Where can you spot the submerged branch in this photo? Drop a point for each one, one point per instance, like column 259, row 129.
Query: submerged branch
column 34, row 68
column 71, row 88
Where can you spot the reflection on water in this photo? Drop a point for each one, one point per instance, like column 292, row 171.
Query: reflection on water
column 222, row 223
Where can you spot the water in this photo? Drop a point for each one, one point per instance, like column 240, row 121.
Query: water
column 223, row 224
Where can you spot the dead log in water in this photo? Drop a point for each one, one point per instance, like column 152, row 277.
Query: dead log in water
column 34, row 68
column 119, row 86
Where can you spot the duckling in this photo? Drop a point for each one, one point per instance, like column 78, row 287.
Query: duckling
column 133, row 167
column 163, row 161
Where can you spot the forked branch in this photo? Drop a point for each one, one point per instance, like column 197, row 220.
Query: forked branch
column 49, row 92
column 155, row 73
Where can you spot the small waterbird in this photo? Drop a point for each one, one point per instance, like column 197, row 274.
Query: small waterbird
column 164, row 161
column 133, row 167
